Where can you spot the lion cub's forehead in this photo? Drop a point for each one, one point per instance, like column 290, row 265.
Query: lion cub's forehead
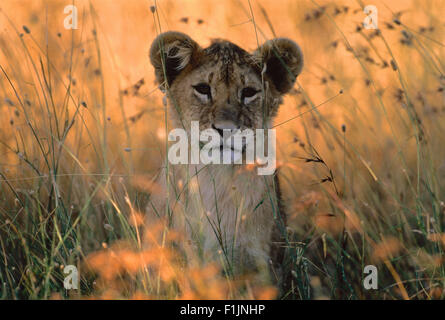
column 226, row 62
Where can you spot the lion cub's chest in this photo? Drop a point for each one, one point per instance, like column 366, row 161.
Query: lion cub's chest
column 227, row 208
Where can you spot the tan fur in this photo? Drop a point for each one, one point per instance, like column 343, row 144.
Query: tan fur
column 228, row 200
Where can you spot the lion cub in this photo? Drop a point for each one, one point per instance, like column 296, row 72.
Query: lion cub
column 227, row 210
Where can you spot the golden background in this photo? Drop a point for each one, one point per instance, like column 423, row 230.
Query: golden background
column 80, row 113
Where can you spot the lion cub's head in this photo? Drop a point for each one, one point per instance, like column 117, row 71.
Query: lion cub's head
column 224, row 86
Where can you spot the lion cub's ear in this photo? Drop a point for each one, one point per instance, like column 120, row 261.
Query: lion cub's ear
column 175, row 51
column 283, row 59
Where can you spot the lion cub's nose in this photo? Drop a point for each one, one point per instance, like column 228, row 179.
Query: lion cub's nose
column 220, row 126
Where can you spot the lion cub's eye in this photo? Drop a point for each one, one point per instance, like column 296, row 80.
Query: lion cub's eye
column 203, row 92
column 248, row 94
column 202, row 88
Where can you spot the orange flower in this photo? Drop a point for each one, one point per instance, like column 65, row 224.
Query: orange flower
column 265, row 293
column 136, row 219
column 329, row 222
column 386, row 249
column 437, row 237
column 146, row 185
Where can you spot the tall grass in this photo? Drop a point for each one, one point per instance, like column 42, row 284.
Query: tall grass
column 82, row 138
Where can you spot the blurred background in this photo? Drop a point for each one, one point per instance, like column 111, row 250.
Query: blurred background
column 82, row 135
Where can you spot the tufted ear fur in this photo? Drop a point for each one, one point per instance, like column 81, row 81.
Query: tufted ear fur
column 283, row 60
column 175, row 51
